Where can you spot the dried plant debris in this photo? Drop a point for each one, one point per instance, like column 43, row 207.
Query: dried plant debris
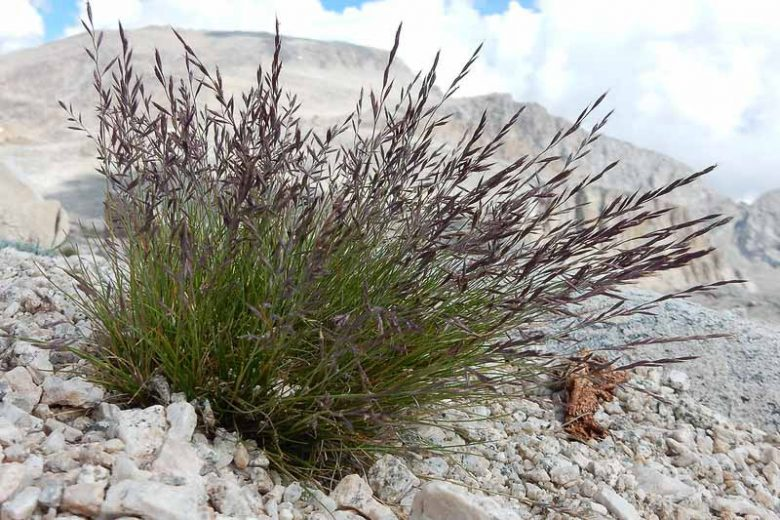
column 590, row 380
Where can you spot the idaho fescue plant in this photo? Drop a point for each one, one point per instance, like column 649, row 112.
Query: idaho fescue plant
column 325, row 292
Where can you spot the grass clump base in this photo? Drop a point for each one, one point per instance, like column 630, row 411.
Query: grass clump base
column 323, row 293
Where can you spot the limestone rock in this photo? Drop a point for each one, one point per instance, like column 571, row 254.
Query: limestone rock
column 178, row 458
column 143, row 432
column 51, row 492
column 444, row 501
column 147, row 499
column 615, row 504
column 182, row 420
column 26, row 217
column 23, row 392
column 354, row 493
column 241, row 456
column 9, row 433
column 758, row 230
column 391, row 479
column 230, row 499
column 84, row 499
column 12, row 479
column 652, row 481
column 22, row 505
column 71, row 392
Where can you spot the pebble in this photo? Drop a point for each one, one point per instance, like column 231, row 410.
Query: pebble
column 615, row 504
column 354, row 493
column 241, row 456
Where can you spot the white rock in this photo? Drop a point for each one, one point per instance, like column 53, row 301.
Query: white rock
column 113, row 446
column 107, row 416
column 652, row 481
column 9, row 433
column 22, row 505
column 182, row 420
column 19, row 418
column 125, row 468
column 178, row 458
column 223, row 447
column 678, row 380
column 147, row 499
column 71, row 392
column 354, row 493
column 259, row 459
column 91, row 474
column 770, row 455
column 35, row 359
column 433, row 466
column 23, row 393
column 143, row 432
column 69, row 433
column 12, row 479
column 16, row 453
column 740, row 506
column 390, row 479
column 25, row 216
column 615, row 504
column 61, row 461
column 292, row 493
column 563, row 472
column 84, row 499
column 320, row 500
column 444, row 501
column 51, row 492
column 33, row 467
column 228, row 498
column 54, row 443
column 336, row 515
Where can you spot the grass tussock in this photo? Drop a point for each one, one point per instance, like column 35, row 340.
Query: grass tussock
column 323, row 291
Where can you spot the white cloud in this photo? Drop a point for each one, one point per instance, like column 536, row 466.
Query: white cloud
column 20, row 25
column 697, row 79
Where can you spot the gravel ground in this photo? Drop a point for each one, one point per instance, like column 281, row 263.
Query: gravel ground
column 738, row 375
column 66, row 452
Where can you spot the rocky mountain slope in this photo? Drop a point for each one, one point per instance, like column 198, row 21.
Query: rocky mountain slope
column 328, row 76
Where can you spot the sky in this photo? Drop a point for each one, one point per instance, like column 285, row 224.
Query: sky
column 696, row 79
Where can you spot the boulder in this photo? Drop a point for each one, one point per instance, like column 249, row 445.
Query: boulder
column 26, row 217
